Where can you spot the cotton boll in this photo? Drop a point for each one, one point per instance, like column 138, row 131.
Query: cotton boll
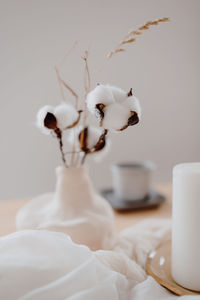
column 93, row 136
column 134, row 105
column 92, row 139
column 41, row 115
column 101, row 94
column 115, row 116
column 66, row 115
column 118, row 94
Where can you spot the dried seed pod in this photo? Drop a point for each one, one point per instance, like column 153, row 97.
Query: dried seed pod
column 130, row 93
column 100, row 112
column 134, row 119
column 83, row 139
column 101, row 142
column 92, row 140
column 50, row 121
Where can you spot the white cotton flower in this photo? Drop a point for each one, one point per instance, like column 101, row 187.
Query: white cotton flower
column 115, row 116
column 113, row 107
column 66, row 115
column 101, row 94
column 41, row 115
column 105, row 94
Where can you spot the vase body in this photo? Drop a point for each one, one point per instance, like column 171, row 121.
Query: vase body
column 75, row 208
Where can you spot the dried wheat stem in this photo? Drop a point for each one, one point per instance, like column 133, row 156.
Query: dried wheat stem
column 131, row 36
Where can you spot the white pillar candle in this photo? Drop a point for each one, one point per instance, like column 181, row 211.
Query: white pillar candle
column 185, row 265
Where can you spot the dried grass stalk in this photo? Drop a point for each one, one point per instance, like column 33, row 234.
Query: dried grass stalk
column 130, row 37
column 115, row 51
column 134, row 32
column 87, row 83
column 128, row 41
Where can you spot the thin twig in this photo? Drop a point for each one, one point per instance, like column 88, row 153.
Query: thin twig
column 60, row 83
column 59, row 65
column 71, row 91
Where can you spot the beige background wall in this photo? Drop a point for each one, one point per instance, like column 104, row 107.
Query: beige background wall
column 162, row 67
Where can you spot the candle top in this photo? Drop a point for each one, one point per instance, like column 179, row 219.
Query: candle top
column 191, row 167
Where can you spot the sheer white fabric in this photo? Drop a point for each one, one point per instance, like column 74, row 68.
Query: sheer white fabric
column 44, row 265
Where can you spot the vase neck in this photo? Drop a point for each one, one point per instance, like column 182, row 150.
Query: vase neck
column 74, row 186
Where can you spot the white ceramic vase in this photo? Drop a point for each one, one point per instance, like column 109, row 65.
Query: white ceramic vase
column 75, row 208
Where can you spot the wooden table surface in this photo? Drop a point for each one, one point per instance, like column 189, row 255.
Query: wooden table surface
column 9, row 208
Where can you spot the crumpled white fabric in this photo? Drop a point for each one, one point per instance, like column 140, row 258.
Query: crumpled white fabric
column 44, row 265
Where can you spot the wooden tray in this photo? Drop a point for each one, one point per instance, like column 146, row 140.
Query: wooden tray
column 159, row 267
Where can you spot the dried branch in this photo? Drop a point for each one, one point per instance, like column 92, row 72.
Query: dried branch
column 66, row 85
column 131, row 36
column 59, row 65
column 61, row 81
column 60, row 84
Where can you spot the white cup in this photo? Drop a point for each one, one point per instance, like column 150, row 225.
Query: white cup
column 131, row 181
